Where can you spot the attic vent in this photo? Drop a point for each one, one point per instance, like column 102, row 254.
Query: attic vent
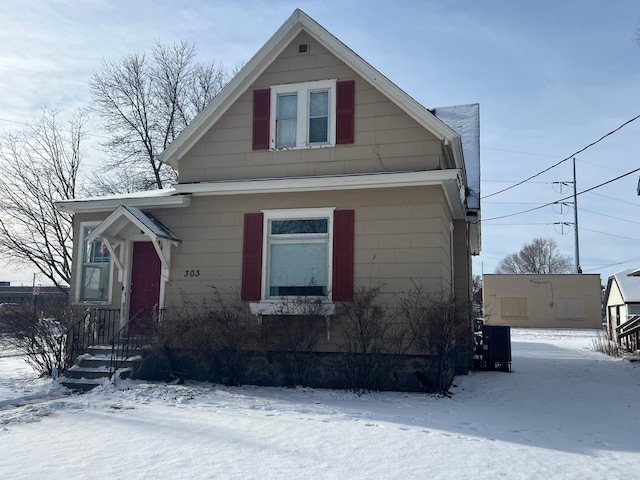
column 303, row 48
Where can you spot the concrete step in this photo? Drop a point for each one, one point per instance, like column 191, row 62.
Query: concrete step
column 85, row 379
column 77, row 372
column 92, row 368
column 86, row 361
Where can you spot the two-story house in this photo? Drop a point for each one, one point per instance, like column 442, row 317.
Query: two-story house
column 308, row 175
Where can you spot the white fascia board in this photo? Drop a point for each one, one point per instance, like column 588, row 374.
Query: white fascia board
column 107, row 204
column 450, row 180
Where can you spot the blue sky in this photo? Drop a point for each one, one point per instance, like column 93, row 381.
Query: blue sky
column 550, row 76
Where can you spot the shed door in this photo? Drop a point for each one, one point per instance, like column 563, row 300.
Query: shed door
column 145, row 284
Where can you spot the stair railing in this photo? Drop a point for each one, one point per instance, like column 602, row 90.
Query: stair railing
column 128, row 338
column 95, row 327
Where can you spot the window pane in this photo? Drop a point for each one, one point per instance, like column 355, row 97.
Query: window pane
column 98, row 253
column 298, row 269
column 95, row 282
column 286, row 120
column 318, row 117
column 318, row 129
column 318, row 225
column 287, row 106
column 286, row 133
column 318, row 104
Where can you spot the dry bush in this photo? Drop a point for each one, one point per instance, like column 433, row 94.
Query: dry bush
column 218, row 332
column 441, row 329
column 604, row 344
column 293, row 337
column 369, row 333
column 39, row 334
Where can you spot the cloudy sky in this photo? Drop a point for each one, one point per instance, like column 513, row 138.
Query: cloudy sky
column 551, row 77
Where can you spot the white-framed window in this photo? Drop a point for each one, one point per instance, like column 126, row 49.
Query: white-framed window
column 304, row 115
column 94, row 279
column 299, row 247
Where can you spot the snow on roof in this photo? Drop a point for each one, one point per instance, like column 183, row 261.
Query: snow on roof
column 629, row 285
column 152, row 223
column 465, row 120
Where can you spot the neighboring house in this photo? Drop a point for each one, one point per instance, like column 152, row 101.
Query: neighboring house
column 543, row 301
column 622, row 307
column 309, row 175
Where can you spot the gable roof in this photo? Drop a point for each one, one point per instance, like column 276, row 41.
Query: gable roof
column 127, row 217
column 628, row 284
column 296, row 23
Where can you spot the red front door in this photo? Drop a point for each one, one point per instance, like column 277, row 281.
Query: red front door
column 145, row 284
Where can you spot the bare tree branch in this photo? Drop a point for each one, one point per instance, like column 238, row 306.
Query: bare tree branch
column 144, row 103
column 40, row 166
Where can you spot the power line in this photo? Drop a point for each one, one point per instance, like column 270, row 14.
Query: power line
column 43, row 73
column 599, row 266
column 626, row 220
column 521, row 153
column 610, row 234
column 616, row 199
column 564, row 159
column 565, row 198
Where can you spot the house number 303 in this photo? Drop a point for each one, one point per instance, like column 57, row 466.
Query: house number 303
column 192, row 273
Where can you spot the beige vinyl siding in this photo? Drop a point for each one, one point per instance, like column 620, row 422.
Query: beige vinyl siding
column 386, row 138
column 615, row 296
column 401, row 235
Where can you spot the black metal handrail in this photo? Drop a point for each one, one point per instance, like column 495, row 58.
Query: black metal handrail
column 127, row 338
column 96, row 327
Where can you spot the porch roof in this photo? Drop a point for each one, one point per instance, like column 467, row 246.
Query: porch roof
column 126, row 219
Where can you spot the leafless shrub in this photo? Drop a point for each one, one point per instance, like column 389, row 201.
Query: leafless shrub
column 368, row 333
column 293, row 337
column 38, row 334
column 603, row 343
column 440, row 328
column 220, row 332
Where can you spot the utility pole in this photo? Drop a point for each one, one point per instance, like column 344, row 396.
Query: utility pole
column 575, row 218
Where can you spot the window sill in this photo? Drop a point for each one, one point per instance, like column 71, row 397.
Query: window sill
column 278, row 307
column 303, row 147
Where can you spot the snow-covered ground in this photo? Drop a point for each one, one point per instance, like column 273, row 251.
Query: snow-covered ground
column 564, row 412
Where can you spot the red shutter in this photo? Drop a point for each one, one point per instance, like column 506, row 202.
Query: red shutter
column 343, row 237
column 345, row 108
column 261, row 100
column 252, row 257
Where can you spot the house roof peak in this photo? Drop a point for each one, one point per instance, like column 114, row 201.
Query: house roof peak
column 297, row 22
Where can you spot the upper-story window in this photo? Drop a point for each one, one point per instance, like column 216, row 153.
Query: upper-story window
column 304, row 114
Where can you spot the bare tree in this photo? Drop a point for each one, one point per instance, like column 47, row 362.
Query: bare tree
column 144, row 103
column 40, row 166
column 539, row 256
